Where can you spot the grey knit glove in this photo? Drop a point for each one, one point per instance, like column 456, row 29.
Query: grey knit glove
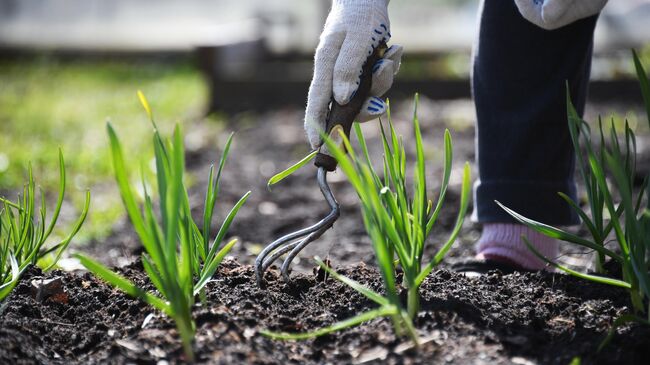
column 553, row 14
column 352, row 30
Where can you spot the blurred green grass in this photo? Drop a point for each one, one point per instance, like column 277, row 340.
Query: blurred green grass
column 46, row 103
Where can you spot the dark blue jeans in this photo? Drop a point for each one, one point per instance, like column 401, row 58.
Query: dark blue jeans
column 524, row 150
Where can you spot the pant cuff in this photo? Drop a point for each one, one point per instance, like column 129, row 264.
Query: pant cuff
column 535, row 200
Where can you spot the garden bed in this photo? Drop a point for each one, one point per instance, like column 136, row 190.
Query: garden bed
column 497, row 319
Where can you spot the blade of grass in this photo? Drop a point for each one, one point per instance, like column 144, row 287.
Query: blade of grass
column 174, row 197
column 626, row 318
column 364, row 149
column 354, row 321
column 213, row 193
column 226, row 225
column 293, row 168
column 154, row 275
column 145, row 105
column 127, row 195
column 446, row 174
column 644, row 84
column 419, row 204
column 559, row 234
column 360, row 288
column 594, row 278
column 122, row 283
column 211, row 266
column 59, row 202
column 7, row 287
column 462, row 212
column 162, row 174
column 207, row 214
column 597, row 169
column 583, row 216
column 64, row 244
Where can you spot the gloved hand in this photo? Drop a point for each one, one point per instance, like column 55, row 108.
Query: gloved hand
column 553, row 14
column 354, row 28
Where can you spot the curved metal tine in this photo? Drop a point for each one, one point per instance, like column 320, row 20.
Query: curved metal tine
column 261, row 258
column 321, row 177
column 302, row 244
column 261, row 262
column 324, row 224
column 280, row 246
column 277, row 253
column 316, row 231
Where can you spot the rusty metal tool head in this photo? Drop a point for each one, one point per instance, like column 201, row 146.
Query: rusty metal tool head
column 340, row 117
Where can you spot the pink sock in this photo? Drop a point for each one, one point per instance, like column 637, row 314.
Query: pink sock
column 504, row 240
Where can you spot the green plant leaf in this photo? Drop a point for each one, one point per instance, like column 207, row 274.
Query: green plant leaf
column 364, row 149
column 559, row 234
column 163, row 173
column 293, row 168
column 155, row 247
column 362, row 289
column 594, row 278
column 446, row 174
column 226, row 225
column 7, row 287
column 64, row 244
column 597, row 170
column 212, row 194
column 626, row 318
column 583, row 216
column 123, row 283
column 419, row 204
column 466, row 192
column 154, row 275
column 351, row 322
column 145, row 105
column 59, row 202
column 211, row 266
column 644, row 84
column 126, row 193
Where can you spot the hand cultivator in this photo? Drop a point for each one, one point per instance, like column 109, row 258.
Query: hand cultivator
column 340, row 117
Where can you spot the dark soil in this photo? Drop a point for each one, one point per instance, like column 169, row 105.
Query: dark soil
column 494, row 319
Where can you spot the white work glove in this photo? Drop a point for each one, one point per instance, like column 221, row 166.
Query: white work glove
column 354, row 28
column 553, row 14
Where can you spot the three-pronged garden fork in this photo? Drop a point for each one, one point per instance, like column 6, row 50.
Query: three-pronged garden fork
column 340, row 117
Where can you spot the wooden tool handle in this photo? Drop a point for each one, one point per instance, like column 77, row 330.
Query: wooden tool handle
column 342, row 116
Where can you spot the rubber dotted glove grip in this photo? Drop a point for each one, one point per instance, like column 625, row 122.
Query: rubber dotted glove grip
column 553, row 14
column 354, row 28
column 383, row 73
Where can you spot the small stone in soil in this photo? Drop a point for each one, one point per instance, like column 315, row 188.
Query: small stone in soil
column 373, row 354
column 129, row 345
column 42, row 289
column 521, row 361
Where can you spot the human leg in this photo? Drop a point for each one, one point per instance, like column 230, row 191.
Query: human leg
column 524, row 150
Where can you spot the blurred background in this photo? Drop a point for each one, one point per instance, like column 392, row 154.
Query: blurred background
column 68, row 66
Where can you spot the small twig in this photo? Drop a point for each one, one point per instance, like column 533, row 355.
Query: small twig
column 57, row 323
